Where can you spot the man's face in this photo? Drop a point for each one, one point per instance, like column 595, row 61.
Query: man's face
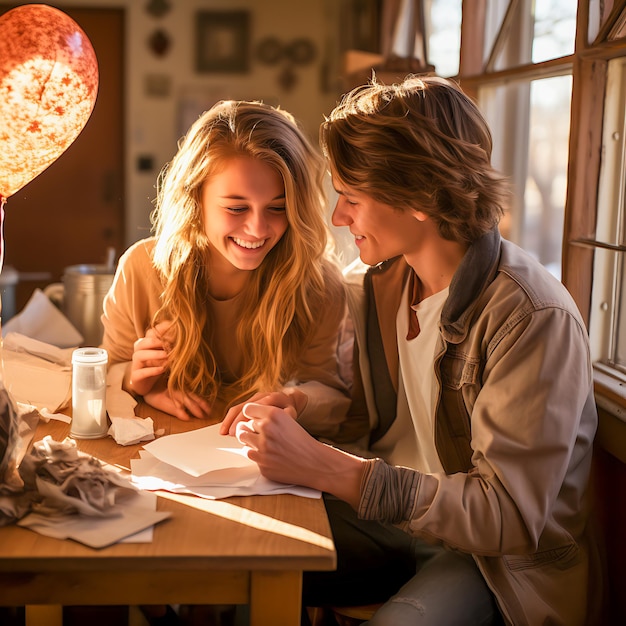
column 380, row 230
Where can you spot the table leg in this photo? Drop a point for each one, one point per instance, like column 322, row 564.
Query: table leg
column 48, row 614
column 275, row 598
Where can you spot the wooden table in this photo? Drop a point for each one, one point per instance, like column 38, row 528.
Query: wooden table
column 240, row 550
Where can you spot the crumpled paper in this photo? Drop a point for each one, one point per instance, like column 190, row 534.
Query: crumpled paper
column 126, row 428
column 17, row 427
column 130, row 430
column 76, row 496
column 69, row 481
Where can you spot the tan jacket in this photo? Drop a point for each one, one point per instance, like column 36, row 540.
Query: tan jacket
column 514, row 427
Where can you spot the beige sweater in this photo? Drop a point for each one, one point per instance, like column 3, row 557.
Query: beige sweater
column 134, row 298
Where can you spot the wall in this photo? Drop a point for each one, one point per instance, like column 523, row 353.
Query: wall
column 155, row 123
column 609, row 483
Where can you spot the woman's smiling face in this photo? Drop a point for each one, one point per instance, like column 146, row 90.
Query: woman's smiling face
column 244, row 211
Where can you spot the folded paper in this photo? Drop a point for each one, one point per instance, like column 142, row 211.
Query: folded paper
column 205, row 463
column 199, row 451
column 36, row 373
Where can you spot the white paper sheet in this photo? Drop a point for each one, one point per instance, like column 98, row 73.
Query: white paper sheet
column 41, row 320
column 200, row 451
column 207, row 464
column 34, row 376
column 119, row 402
column 151, row 474
column 126, row 428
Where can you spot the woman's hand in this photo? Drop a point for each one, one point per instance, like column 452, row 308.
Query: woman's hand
column 149, row 360
column 180, row 405
column 293, row 401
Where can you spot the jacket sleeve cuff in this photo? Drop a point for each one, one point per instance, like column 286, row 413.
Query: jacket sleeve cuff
column 388, row 493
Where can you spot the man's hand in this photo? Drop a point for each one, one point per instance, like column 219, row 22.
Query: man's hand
column 286, row 453
column 292, row 400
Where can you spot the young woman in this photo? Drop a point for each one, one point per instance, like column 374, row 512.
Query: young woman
column 236, row 293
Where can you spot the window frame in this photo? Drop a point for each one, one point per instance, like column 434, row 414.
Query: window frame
column 588, row 66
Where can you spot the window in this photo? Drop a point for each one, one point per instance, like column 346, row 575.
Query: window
column 608, row 313
column 550, row 77
column 528, row 110
column 443, row 33
column 530, row 122
column 554, row 29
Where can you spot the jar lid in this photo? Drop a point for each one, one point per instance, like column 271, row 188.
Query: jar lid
column 90, row 355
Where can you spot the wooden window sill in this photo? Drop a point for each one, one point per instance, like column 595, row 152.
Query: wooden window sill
column 610, row 393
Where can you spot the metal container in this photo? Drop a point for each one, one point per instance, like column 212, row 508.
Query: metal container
column 80, row 296
column 9, row 277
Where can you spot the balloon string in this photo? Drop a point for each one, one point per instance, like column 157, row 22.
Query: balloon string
column 2, row 203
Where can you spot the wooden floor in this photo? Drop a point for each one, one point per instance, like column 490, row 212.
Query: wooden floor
column 73, row 616
column 119, row 616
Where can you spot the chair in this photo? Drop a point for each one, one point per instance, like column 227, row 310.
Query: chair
column 354, row 615
column 341, row 615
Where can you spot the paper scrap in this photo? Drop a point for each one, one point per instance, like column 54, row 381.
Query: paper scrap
column 36, row 381
column 43, row 321
column 120, row 403
column 133, row 516
column 128, row 431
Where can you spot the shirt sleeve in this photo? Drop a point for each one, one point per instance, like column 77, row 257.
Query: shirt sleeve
column 324, row 370
column 131, row 302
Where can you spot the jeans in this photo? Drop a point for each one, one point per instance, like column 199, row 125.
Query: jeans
column 448, row 590
column 421, row 584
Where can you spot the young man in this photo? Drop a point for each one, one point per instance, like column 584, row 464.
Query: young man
column 475, row 368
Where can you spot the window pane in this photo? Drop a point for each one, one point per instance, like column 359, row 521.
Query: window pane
column 609, row 224
column 443, row 24
column 546, row 182
column 535, row 31
column 605, row 264
column 608, row 310
column 509, row 52
column 530, row 126
column 555, row 29
column 619, row 357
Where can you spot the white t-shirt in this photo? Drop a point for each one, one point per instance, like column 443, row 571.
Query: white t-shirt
column 410, row 440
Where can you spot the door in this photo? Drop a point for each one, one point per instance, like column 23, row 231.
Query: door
column 73, row 212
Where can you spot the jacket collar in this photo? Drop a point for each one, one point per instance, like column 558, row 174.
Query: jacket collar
column 475, row 272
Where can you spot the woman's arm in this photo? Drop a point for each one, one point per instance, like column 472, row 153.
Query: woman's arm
column 324, row 375
column 131, row 302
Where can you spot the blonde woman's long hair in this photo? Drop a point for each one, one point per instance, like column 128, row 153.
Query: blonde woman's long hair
column 283, row 295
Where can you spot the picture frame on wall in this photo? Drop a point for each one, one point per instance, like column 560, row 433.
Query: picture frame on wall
column 223, row 41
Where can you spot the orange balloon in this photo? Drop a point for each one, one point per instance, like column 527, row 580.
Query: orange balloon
column 48, row 88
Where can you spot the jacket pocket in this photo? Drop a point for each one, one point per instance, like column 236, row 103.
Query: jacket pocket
column 458, row 370
column 562, row 558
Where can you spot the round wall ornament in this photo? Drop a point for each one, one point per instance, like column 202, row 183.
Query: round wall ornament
column 270, row 51
column 301, row 51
